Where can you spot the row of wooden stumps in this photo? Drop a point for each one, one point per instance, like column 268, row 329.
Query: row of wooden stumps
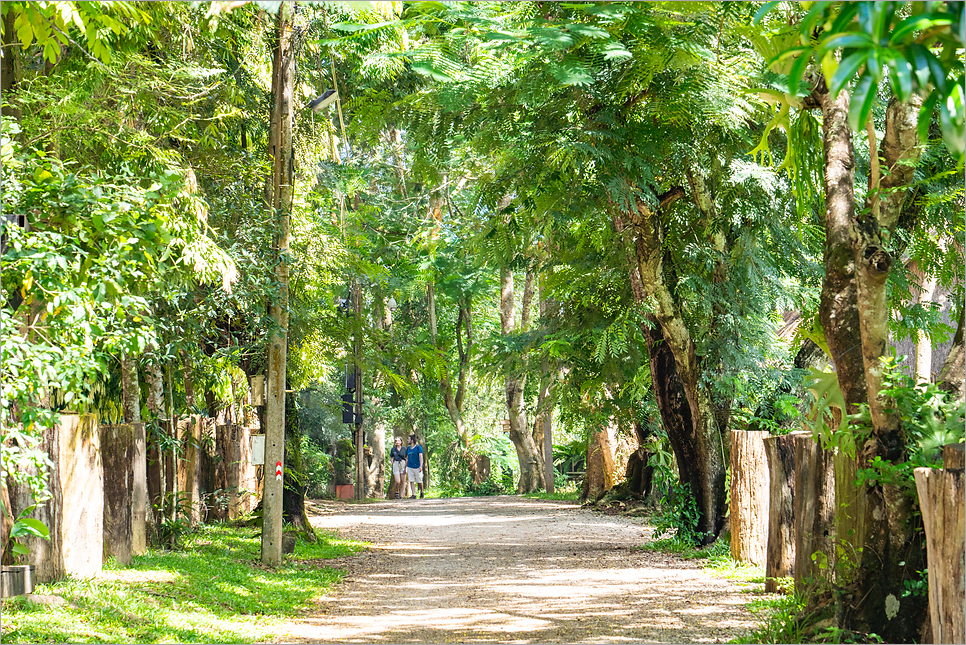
column 790, row 498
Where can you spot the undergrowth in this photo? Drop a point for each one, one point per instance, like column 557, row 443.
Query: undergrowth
column 214, row 590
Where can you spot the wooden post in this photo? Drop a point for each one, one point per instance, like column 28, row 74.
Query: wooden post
column 942, row 500
column 117, row 455
column 780, row 553
column 814, row 513
column 749, row 496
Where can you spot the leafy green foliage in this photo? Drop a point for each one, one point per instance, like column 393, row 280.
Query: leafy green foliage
column 931, row 418
column 679, row 514
column 917, row 46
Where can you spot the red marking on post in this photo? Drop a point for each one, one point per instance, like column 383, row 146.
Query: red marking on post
column 278, row 470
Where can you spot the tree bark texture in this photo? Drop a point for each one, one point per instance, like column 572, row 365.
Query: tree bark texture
column 700, row 462
column 838, row 306
column 942, row 500
column 698, row 441
column 749, row 496
column 531, row 476
column 780, row 558
column 280, row 203
column 814, row 516
column 888, row 555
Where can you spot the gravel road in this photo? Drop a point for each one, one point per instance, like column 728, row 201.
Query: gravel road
column 511, row 570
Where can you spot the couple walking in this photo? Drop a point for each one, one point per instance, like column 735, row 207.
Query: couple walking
column 408, row 461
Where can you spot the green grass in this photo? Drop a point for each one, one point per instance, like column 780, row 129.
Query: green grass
column 569, row 492
column 215, row 590
column 779, row 620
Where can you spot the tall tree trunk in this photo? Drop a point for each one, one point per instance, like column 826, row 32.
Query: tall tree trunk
column 155, row 408
column 450, row 400
column 697, row 440
column 838, row 307
column 892, row 551
column 531, row 477
column 280, row 204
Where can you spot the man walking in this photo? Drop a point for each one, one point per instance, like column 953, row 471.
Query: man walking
column 414, row 466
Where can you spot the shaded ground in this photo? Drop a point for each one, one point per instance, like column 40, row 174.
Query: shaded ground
column 511, row 570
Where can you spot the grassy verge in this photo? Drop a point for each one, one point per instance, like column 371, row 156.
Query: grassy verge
column 215, row 590
column 777, row 614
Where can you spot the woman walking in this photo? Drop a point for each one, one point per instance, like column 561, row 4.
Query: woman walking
column 398, row 455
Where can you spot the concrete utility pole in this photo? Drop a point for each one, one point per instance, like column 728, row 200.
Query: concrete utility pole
column 360, row 487
column 280, row 205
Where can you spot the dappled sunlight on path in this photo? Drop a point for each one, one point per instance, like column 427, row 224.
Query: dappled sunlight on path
column 511, row 570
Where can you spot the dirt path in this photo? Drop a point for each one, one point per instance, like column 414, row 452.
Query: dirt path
column 511, row 570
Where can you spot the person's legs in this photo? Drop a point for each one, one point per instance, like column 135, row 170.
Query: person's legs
column 413, row 480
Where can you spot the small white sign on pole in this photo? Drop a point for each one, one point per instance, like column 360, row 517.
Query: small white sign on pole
column 258, row 449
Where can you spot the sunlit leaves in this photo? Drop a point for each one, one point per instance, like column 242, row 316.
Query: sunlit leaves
column 919, row 51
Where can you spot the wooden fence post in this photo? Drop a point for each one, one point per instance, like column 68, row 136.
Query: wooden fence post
column 780, row 558
column 941, row 498
column 749, row 496
column 814, row 513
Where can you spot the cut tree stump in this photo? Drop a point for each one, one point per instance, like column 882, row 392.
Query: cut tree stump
column 941, row 498
column 814, row 513
column 780, row 554
column 117, row 453
column 749, row 496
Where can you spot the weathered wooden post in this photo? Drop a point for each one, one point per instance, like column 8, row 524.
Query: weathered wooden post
column 814, row 512
column 942, row 500
column 117, row 454
column 75, row 514
column 780, row 553
column 749, row 496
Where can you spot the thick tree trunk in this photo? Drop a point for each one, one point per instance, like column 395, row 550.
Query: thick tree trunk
column 531, row 476
column 889, row 554
column 130, row 389
column 601, row 472
column 855, row 313
column 280, row 147
column 377, row 469
column 698, row 441
column 131, row 401
column 639, row 474
column 700, row 461
column 838, row 308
